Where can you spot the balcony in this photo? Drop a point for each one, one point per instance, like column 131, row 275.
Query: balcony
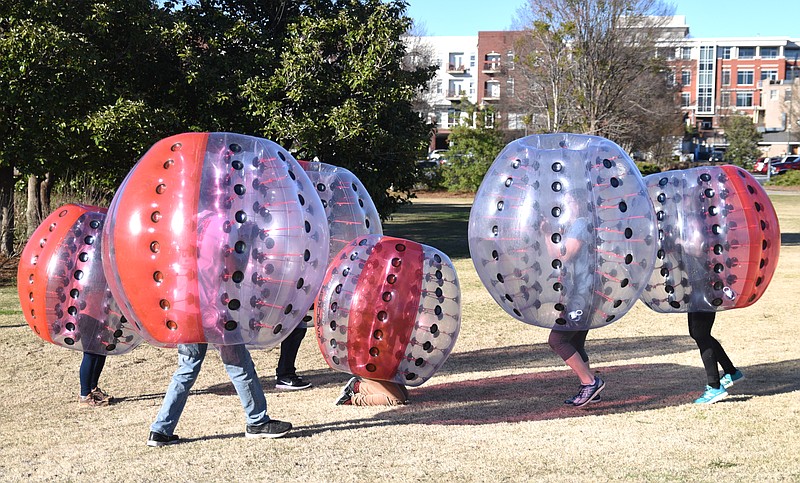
column 491, row 95
column 456, row 69
column 456, row 94
column 491, row 67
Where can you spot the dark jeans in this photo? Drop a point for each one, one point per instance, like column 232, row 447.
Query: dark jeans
column 91, row 367
column 289, row 348
column 711, row 351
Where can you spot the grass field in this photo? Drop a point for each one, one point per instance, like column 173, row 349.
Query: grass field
column 494, row 412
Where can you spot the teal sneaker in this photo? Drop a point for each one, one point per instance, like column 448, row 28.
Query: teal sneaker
column 712, row 395
column 729, row 380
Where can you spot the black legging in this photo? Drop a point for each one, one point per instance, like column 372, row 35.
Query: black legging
column 565, row 343
column 289, row 348
column 711, row 351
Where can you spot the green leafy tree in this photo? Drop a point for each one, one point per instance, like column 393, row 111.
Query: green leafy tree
column 341, row 95
column 743, row 138
column 474, row 145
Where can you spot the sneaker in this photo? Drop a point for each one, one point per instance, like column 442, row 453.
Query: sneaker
column 271, row 429
column 588, row 393
column 157, row 440
column 712, row 395
column 101, row 396
column 572, row 399
column 90, row 402
column 291, row 383
column 347, row 392
column 729, row 380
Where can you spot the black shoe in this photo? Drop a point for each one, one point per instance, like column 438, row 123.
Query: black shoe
column 291, row 383
column 347, row 392
column 158, row 440
column 270, row 429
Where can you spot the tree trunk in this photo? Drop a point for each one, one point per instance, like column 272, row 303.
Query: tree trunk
column 7, row 210
column 32, row 213
column 45, row 190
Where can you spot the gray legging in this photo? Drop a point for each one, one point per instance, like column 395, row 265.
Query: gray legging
column 566, row 343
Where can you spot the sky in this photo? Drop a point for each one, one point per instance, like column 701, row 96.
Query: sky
column 706, row 18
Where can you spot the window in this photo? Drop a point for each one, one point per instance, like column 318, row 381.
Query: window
column 492, row 89
column 671, row 78
column 725, row 52
column 456, row 61
column 686, row 77
column 744, row 99
column 769, row 52
column 686, row 53
column 726, row 77
column 453, row 116
column 510, row 87
column 472, row 60
column 515, row 121
column 744, row 77
column 747, row 52
column 725, row 99
column 488, row 119
column 686, row 99
column 471, row 87
column 773, row 94
column 769, row 74
column 439, row 87
column 787, row 96
column 510, row 59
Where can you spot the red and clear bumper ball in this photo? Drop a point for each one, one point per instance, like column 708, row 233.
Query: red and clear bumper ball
column 216, row 238
column 389, row 310
column 62, row 287
column 718, row 240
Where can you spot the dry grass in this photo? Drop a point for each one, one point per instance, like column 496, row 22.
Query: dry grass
column 493, row 413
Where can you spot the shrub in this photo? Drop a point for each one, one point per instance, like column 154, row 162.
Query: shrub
column 790, row 178
column 647, row 168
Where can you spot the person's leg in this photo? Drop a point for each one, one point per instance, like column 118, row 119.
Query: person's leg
column 85, row 374
column 190, row 360
column 289, row 348
column 378, row 393
column 97, row 369
column 700, row 324
column 240, row 368
column 562, row 344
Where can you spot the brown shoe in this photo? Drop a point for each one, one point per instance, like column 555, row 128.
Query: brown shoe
column 90, row 402
column 101, row 396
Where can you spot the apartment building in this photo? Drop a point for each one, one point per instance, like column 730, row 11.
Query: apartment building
column 715, row 77
column 751, row 76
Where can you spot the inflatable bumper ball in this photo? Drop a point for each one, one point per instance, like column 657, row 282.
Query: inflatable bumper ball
column 561, row 231
column 389, row 310
column 62, row 287
column 216, row 238
column 718, row 238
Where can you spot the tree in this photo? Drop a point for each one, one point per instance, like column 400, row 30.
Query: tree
column 341, row 95
column 743, row 138
column 590, row 66
column 473, row 148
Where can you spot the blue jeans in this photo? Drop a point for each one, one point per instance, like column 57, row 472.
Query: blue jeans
column 240, row 369
column 91, row 367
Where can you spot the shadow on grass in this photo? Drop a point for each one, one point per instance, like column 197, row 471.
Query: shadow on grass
column 539, row 396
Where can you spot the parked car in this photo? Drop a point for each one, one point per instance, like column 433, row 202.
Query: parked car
column 717, row 157
column 760, row 166
column 785, row 164
column 439, row 155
